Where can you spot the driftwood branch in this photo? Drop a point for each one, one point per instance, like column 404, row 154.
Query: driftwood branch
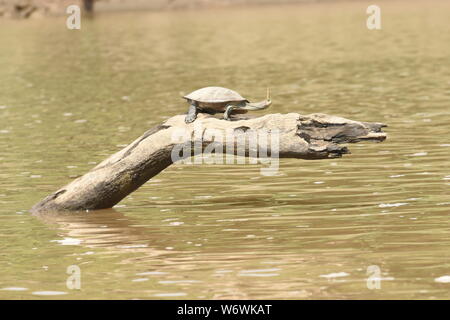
column 315, row 136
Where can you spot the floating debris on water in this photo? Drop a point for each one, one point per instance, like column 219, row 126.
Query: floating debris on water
column 49, row 293
column 175, row 294
column 335, row 275
column 418, row 154
column 68, row 241
column 389, row 205
column 14, row 289
column 443, row 279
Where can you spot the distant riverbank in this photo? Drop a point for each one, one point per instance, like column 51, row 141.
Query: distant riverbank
column 39, row 8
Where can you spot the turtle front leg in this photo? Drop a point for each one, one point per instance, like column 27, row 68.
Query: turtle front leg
column 192, row 113
column 237, row 106
column 229, row 109
column 246, row 106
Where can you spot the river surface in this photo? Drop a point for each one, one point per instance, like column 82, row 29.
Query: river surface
column 373, row 224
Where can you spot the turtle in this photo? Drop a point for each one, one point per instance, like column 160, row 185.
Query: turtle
column 217, row 99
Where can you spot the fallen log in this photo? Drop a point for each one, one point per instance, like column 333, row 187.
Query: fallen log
column 315, row 136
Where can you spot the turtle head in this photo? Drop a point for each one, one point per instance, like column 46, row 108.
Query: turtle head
column 260, row 105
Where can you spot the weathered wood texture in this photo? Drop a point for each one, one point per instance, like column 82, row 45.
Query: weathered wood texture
column 315, row 136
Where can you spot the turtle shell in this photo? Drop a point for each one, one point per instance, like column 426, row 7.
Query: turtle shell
column 214, row 95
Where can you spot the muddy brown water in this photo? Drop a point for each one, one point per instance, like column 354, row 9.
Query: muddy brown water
column 68, row 99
